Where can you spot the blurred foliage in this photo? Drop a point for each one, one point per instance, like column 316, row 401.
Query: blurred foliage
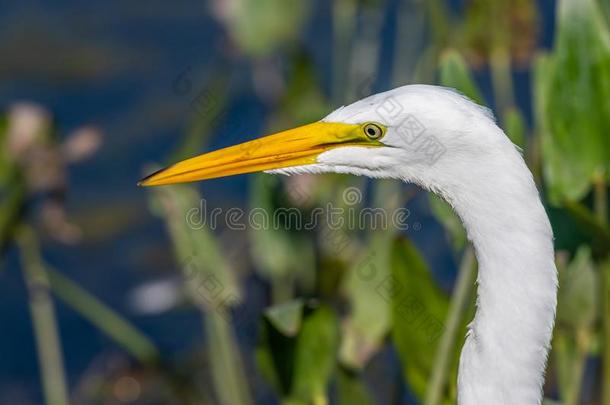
column 454, row 73
column 578, row 303
column 491, row 26
column 419, row 308
column 575, row 83
column 280, row 268
column 515, row 127
column 299, row 363
column 370, row 319
column 260, row 27
column 211, row 284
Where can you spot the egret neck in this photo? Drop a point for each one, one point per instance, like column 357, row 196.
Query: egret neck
column 504, row 356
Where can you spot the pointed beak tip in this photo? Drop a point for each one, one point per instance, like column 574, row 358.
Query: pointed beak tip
column 145, row 182
column 148, row 181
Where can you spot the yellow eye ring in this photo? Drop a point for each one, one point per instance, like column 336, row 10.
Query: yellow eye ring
column 373, row 131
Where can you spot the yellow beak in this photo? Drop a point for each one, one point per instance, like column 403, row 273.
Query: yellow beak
column 295, row 147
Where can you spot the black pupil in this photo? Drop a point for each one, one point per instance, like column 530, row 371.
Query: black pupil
column 371, row 131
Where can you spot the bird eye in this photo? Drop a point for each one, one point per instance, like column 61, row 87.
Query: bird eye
column 373, row 131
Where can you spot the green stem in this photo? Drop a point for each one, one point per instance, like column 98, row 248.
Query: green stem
column 601, row 211
column 228, row 375
column 571, row 351
column 282, row 288
column 12, row 206
column 344, row 25
column 44, row 320
column 103, row 318
column 502, row 80
column 601, row 199
column 459, row 301
column 533, row 155
column 209, row 283
column 605, row 286
column 439, row 21
column 582, row 348
column 208, row 110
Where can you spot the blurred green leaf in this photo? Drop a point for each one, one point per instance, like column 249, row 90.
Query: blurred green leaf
column 605, row 5
column 226, row 366
column 511, row 25
column 260, row 27
column 368, row 323
column 104, row 318
column 570, row 352
column 300, row 366
column 211, row 286
column 344, row 15
column 442, row 382
column 315, row 356
column 12, row 190
column 440, row 21
column 13, row 194
column 208, row 109
column 419, row 309
column 265, row 363
column 572, row 87
column 210, row 280
column 515, row 127
column 275, row 356
column 500, row 34
column 577, row 300
column 287, row 317
column 303, row 100
column 266, row 238
column 352, row 389
column 577, row 309
column 4, row 157
column 560, row 178
column 452, row 223
column 454, row 72
column 44, row 318
column 275, row 242
column 592, row 232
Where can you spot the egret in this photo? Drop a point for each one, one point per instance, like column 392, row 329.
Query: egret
column 476, row 169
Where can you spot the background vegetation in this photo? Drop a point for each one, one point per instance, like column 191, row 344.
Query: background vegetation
column 287, row 315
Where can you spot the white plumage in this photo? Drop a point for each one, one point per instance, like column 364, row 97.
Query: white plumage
column 483, row 176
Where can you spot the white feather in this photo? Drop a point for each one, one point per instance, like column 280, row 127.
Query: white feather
column 483, row 176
